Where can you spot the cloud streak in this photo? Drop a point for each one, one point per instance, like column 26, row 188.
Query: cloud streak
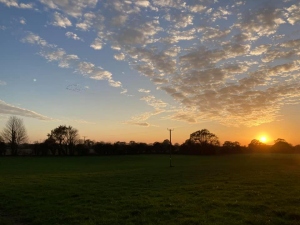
column 8, row 109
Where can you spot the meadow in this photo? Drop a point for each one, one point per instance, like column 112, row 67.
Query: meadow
column 143, row 189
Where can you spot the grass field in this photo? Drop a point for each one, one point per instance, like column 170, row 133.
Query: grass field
column 237, row 189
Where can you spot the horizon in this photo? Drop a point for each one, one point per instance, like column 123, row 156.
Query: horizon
column 128, row 70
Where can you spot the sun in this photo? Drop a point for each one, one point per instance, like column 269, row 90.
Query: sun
column 263, row 139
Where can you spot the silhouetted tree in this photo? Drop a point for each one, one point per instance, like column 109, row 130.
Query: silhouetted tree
column 231, row 147
column 297, row 148
column 204, row 137
column 2, row 146
column 203, row 142
column 82, row 149
column 102, row 148
column 66, row 138
column 14, row 133
column 281, row 145
column 256, row 145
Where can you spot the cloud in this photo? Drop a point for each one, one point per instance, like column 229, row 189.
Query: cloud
column 60, row 21
column 97, row 44
column 35, row 39
column 6, row 108
column 73, row 8
column 22, row 21
column 87, row 22
column 144, row 91
column 293, row 15
column 119, row 56
column 73, row 36
column 53, row 53
column 142, row 124
column 60, row 56
column 238, row 72
column 15, row 3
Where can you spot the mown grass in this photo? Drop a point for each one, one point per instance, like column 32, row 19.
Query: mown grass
column 237, row 189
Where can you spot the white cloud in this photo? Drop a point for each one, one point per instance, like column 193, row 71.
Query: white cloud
column 52, row 53
column 143, row 3
column 22, row 21
column 293, row 15
column 35, row 39
column 197, row 8
column 144, row 91
column 240, row 71
column 115, row 83
column 6, row 108
column 60, row 21
column 73, row 8
column 97, row 44
column 15, row 3
column 60, row 56
column 73, row 36
column 87, row 22
column 119, row 56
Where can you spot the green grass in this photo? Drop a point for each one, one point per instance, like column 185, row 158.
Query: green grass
column 238, row 189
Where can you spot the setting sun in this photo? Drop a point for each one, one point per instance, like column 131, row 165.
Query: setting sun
column 263, row 139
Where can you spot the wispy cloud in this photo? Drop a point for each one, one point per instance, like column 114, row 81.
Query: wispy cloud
column 53, row 53
column 8, row 109
column 142, row 124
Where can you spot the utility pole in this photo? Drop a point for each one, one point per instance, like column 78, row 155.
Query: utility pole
column 170, row 130
column 84, row 139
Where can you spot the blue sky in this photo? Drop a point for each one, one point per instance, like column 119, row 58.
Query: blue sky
column 128, row 70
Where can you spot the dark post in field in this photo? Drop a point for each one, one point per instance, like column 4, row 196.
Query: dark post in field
column 170, row 146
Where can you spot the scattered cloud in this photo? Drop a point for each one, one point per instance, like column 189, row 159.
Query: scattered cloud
column 73, row 36
column 60, row 21
column 15, row 3
column 236, row 63
column 35, row 39
column 6, row 108
column 97, row 44
column 73, row 8
column 53, row 53
column 22, row 21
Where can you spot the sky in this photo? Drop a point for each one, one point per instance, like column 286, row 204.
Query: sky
column 122, row 70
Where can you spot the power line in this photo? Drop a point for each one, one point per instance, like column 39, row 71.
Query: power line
column 170, row 130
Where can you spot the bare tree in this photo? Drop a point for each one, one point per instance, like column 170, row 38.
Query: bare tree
column 14, row 133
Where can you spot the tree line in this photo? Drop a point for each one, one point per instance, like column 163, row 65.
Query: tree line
column 64, row 141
